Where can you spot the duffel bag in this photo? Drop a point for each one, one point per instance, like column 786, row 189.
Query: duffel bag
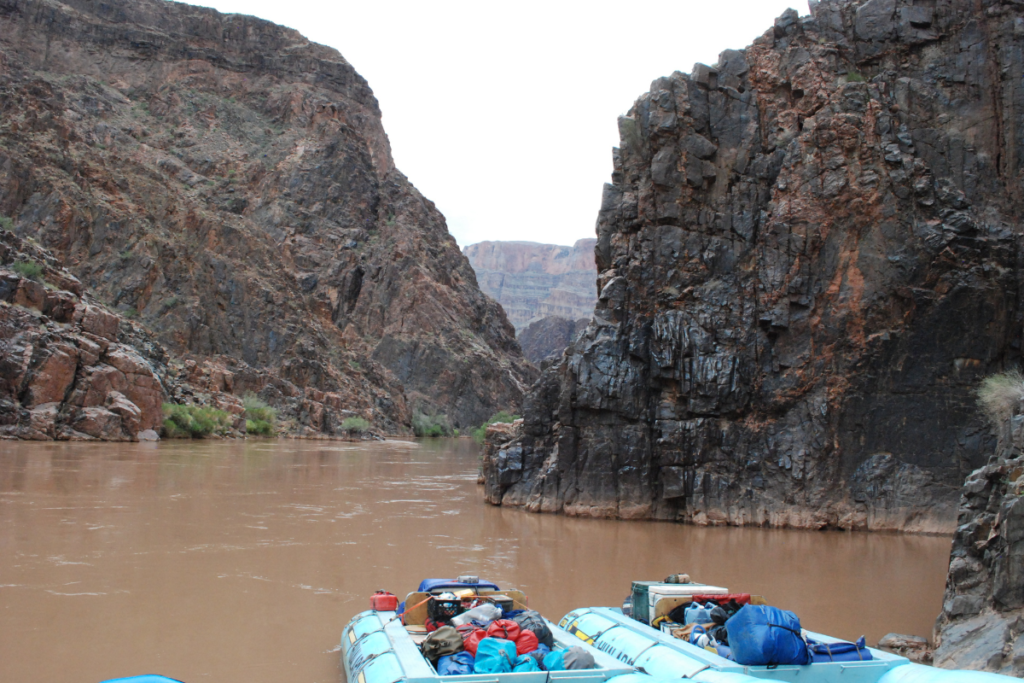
column 495, row 656
column 760, row 635
column 504, row 629
column 443, row 641
column 578, row 658
column 458, row 664
column 533, row 621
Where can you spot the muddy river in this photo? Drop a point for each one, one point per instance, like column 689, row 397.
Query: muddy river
column 240, row 562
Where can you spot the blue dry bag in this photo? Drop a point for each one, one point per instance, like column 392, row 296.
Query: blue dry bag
column 840, row 652
column 554, row 661
column 761, row 635
column 525, row 663
column 495, row 656
column 458, row 664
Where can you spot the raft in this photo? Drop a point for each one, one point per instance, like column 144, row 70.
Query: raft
column 377, row 647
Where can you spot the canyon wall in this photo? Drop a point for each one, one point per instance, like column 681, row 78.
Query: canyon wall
column 808, row 256
column 228, row 185
column 982, row 621
column 533, row 281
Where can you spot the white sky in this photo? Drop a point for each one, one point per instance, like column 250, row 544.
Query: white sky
column 504, row 113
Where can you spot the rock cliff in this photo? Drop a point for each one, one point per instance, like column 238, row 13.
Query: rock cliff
column 228, row 185
column 808, row 256
column 982, row 621
column 73, row 369
column 547, row 338
column 533, row 281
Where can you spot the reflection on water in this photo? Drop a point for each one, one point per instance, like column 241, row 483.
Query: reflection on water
column 242, row 561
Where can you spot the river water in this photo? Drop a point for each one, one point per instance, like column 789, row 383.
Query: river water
column 241, row 561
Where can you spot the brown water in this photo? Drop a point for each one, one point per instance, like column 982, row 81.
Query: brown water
column 242, row 561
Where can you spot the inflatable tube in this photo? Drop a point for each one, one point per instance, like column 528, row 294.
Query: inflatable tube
column 916, row 673
column 148, row 678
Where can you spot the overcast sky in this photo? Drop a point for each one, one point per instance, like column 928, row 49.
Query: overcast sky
column 504, row 113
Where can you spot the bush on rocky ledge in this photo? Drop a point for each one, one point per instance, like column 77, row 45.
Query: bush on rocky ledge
column 185, row 421
column 431, row 425
column 259, row 415
column 1000, row 395
column 501, row 416
column 355, row 425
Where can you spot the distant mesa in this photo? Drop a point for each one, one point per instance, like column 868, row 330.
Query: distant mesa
column 532, row 281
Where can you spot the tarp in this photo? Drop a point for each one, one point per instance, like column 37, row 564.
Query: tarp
column 427, row 585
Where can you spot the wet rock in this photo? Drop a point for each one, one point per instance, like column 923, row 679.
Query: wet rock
column 147, row 435
column 805, row 267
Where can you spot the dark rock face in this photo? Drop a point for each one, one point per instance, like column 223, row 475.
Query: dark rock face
column 982, row 621
column 546, row 339
column 532, row 281
column 808, row 256
column 231, row 183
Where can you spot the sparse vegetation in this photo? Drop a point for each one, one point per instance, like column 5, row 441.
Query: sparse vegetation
column 632, row 136
column 259, row 428
column 132, row 313
column 6, row 223
column 854, row 77
column 259, row 415
column 501, row 416
column 28, row 269
column 185, row 421
column 431, row 425
column 355, row 425
column 1000, row 395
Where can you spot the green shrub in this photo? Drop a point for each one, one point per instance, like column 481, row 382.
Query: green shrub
column 480, row 433
column 424, row 424
column 854, row 77
column 29, row 269
column 999, row 396
column 6, row 223
column 259, row 427
column 184, row 421
column 257, row 409
column 632, row 136
column 355, row 425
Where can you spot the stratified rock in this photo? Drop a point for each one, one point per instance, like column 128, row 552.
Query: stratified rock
column 533, row 281
column 229, row 185
column 914, row 648
column 546, row 338
column 982, row 621
column 808, row 257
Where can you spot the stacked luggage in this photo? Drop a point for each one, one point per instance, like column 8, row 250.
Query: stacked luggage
column 475, row 634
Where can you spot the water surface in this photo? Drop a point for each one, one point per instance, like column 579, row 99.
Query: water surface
column 240, row 562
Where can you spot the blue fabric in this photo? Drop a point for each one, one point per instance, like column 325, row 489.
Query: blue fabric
column 525, row 663
column 512, row 614
column 540, row 653
column 495, row 656
column 148, row 678
column 840, row 652
column 761, row 635
column 427, row 585
column 458, row 664
column 553, row 661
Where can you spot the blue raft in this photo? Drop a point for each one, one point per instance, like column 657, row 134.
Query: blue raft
column 376, row 647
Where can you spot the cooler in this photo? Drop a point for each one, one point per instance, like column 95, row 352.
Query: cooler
column 646, row 595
